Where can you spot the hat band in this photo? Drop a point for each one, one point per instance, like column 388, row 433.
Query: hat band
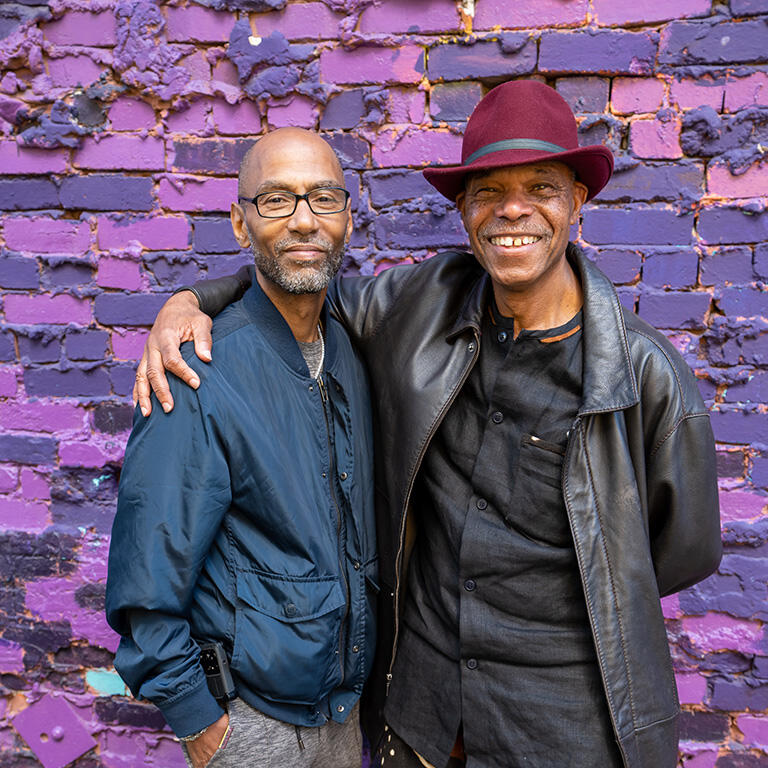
column 498, row 146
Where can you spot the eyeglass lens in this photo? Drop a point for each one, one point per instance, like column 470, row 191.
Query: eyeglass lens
column 283, row 203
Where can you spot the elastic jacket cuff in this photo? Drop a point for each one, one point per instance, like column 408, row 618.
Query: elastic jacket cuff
column 191, row 712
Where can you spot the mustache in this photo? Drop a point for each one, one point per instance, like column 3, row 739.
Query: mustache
column 288, row 242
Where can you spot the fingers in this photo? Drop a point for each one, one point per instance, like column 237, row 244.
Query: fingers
column 156, row 377
column 201, row 333
column 141, row 388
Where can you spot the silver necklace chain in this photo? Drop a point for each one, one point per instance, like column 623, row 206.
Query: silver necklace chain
column 322, row 350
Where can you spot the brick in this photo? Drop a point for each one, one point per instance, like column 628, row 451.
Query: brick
column 123, row 152
column 745, row 301
column 417, row 148
column 27, row 194
column 119, row 273
column 8, row 384
column 78, row 454
column 390, row 186
column 74, row 382
column 402, row 16
column 107, row 192
column 722, row 225
column 723, row 266
column 214, row 236
column 761, row 260
column 755, row 730
column 454, row 101
column 9, row 478
column 730, row 695
column 297, row 112
column 646, row 225
column 128, row 345
column 631, row 95
column 674, row 309
column 655, row 138
column 82, row 28
column 122, row 375
column 209, row 155
column 86, row 345
column 344, row 110
column 752, row 183
column 70, row 71
column 691, row 94
column 19, row 273
column 17, row 515
column 40, row 349
column 42, row 417
column 703, row 726
column 199, row 24
column 66, row 275
column 584, row 94
column 155, row 233
column 42, row 308
column 190, row 119
column 128, row 114
column 26, row 449
column 372, row 64
column 606, row 51
column 486, row 58
column 225, row 264
column 125, row 309
column 676, row 268
column 242, row 118
column 44, row 235
column 7, row 347
column 543, row 13
column 351, row 151
column 658, row 181
column 617, row 12
column 304, row 21
column 739, row 427
column 748, row 7
column 406, row 105
column 691, row 687
column 197, row 194
column 753, row 390
column 423, row 229
column 169, row 270
column 17, row 160
column 111, row 418
column 747, row 91
column 727, row 42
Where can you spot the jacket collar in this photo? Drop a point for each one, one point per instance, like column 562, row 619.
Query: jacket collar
column 608, row 378
column 276, row 331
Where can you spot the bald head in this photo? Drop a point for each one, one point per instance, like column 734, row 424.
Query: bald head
column 288, row 145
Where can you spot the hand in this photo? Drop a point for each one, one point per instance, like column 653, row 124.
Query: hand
column 179, row 320
column 202, row 749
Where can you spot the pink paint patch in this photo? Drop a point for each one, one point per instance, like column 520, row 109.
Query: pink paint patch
column 119, row 273
column 746, row 91
column 706, row 759
column 690, row 94
column 299, row 112
column 11, row 657
column 670, row 606
column 81, row 455
column 9, row 479
column 8, row 382
column 198, row 194
column 131, row 115
column 755, row 730
column 691, row 688
column 655, row 138
column 130, row 345
column 417, row 148
column 38, row 309
column 34, row 485
column 752, row 183
column 631, row 95
column 740, row 505
column 719, row 632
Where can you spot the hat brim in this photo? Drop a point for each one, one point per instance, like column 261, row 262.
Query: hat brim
column 593, row 167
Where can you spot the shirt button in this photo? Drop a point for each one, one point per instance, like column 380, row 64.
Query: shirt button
column 291, row 610
column 482, row 504
column 343, row 475
column 471, row 663
column 497, row 417
column 340, row 708
column 356, row 565
column 355, row 648
column 325, row 474
column 502, row 336
column 470, row 585
column 311, row 388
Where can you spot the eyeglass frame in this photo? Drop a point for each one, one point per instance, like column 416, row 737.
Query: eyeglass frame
column 296, row 199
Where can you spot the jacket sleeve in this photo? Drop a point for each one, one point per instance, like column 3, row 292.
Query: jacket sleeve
column 216, row 294
column 683, row 504
column 174, row 492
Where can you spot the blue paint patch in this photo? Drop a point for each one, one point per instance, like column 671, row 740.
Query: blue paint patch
column 105, row 682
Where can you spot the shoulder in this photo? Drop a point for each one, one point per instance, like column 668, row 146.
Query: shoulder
column 660, row 368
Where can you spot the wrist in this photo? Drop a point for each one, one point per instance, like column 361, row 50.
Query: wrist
column 188, row 293
column 193, row 736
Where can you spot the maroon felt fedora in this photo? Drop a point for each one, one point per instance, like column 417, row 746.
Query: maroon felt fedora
column 518, row 122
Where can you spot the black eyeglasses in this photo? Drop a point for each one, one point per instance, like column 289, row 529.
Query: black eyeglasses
column 280, row 203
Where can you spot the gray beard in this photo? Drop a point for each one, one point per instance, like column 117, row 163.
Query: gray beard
column 307, row 280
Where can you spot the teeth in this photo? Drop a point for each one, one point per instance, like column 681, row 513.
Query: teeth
column 515, row 242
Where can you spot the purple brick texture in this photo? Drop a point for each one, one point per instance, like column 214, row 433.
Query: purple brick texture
column 122, row 125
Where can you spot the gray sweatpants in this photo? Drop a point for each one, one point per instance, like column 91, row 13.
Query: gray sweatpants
column 259, row 741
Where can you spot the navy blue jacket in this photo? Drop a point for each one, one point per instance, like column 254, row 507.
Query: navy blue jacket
column 242, row 518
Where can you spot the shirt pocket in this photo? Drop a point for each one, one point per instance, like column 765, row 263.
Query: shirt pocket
column 537, row 510
column 287, row 635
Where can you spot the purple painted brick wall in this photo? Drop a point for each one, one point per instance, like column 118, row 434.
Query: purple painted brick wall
column 122, row 123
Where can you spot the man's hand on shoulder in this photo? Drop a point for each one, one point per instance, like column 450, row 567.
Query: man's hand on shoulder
column 203, row 748
column 179, row 320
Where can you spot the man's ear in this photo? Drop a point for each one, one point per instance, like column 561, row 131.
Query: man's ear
column 239, row 229
column 580, row 193
column 349, row 228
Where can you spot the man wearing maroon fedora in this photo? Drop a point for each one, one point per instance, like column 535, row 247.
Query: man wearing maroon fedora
column 545, row 470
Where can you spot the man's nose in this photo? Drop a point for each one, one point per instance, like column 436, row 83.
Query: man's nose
column 513, row 204
column 302, row 219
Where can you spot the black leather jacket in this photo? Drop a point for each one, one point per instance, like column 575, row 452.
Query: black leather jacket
column 639, row 477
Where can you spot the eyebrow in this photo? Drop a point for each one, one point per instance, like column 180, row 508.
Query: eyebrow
column 272, row 184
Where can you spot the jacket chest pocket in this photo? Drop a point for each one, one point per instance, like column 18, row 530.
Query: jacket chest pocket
column 537, row 510
column 287, row 635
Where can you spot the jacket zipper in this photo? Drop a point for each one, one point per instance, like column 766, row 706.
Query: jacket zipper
column 331, row 473
column 575, row 428
column 411, row 482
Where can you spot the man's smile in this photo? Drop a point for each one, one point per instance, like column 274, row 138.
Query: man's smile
column 513, row 241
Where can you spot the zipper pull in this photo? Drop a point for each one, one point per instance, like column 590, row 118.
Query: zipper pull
column 323, row 392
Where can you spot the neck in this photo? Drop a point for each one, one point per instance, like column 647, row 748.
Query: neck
column 300, row 311
column 547, row 305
